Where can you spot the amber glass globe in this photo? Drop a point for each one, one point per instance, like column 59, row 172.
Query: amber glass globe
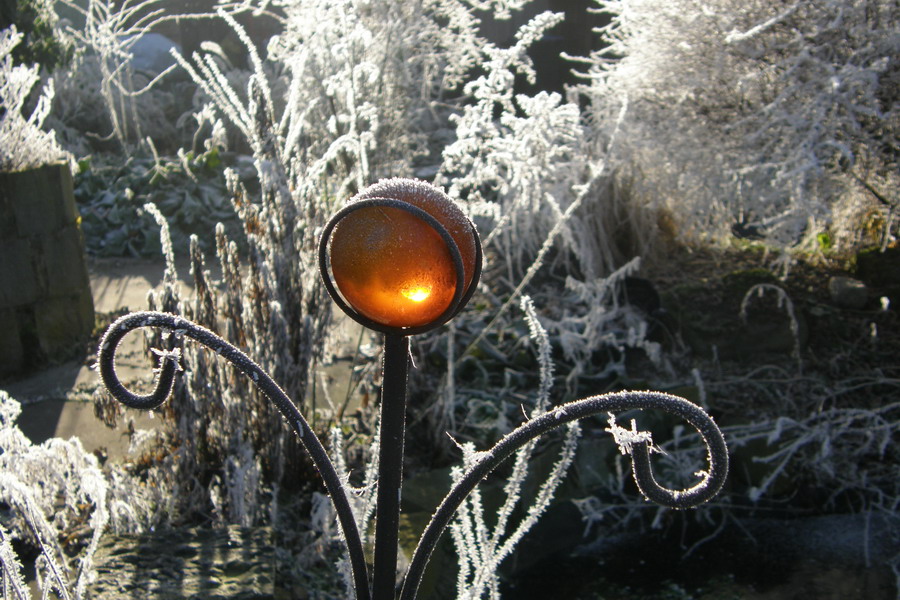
column 392, row 266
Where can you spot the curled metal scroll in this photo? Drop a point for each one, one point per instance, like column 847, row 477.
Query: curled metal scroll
column 709, row 485
column 165, row 381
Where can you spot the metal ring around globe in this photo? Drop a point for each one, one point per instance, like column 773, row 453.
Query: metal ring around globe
column 461, row 294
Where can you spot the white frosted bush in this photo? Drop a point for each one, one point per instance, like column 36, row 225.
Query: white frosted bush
column 753, row 116
column 55, row 490
column 23, row 142
column 533, row 174
column 103, row 43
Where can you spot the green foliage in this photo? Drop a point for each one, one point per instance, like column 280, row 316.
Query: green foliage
column 824, row 241
column 191, row 194
column 36, row 20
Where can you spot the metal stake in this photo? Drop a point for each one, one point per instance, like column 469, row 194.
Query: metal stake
column 390, row 465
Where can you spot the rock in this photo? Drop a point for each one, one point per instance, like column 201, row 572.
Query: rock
column 151, row 53
column 428, row 172
column 46, row 306
column 847, row 292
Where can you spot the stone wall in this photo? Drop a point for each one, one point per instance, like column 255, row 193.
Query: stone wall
column 46, row 308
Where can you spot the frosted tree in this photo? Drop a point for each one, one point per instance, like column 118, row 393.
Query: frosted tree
column 759, row 117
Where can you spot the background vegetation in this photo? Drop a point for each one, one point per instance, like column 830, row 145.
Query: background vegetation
column 677, row 217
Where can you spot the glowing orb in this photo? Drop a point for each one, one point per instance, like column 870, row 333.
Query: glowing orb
column 392, row 266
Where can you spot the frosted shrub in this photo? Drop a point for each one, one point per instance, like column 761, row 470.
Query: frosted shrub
column 481, row 549
column 103, row 43
column 61, row 500
column 534, row 175
column 347, row 88
column 23, row 144
column 526, row 172
column 596, row 316
column 753, row 116
column 81, row 113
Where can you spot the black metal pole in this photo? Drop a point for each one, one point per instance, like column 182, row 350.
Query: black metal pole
column 390, row 465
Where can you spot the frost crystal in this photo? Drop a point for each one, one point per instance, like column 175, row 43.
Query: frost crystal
column 627, row 438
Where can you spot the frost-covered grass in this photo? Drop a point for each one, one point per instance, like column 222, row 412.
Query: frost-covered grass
column 481, row 549
column 59, row 500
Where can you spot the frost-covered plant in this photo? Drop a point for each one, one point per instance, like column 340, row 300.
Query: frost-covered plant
column 23, row 144
column 594, row 315
column 481, row 548
column 533, row 174
column 82, row 117
column 341, row 99
column 347, row 91
column 37, row 20
column 752, row 116
column 190, row 191
column 110, row 94
column 230, row 448
column 60, row 500
column 828, row 428
column 527, row 173
column 108, row 33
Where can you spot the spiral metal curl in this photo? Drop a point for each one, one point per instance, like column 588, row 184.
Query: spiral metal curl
column 709, row 485
column 165, row 381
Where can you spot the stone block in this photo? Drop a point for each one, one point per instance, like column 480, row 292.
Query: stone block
column 12, row 353
column 62, row 258
column 62, row 324
column 39, row 200
column 19, row 283
column 847, row 292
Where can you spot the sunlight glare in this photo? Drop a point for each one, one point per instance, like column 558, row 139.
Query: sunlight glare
column 416, row 293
